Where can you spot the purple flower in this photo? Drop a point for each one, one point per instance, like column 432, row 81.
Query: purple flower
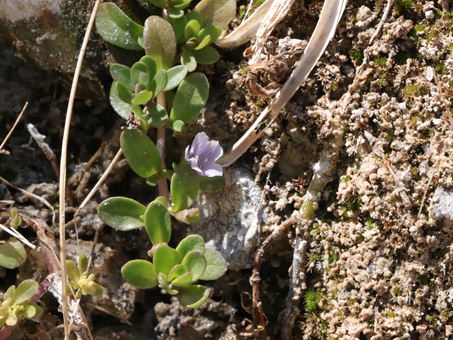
column 202, row 154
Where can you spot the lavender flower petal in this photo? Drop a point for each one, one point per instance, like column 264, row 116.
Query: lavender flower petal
column 202, row 154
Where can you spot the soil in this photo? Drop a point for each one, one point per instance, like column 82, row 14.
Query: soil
column 368, row 138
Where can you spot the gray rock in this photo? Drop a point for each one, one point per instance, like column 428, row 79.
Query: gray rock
column 230, row 218
column 442, row 205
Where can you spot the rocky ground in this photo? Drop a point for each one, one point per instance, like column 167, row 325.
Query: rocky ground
column 369, row 134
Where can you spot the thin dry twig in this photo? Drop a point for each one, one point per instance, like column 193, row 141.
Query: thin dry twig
column 63, row 161
column 12, row 129
column 17, row 235
column 99, row 182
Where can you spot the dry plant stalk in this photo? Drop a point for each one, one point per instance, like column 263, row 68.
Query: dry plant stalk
column 247, row 30
column 64, row 149
column 12, row 129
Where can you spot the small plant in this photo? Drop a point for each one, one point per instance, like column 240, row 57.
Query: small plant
column 15, row 305
column 79, row 280
column 155, row 93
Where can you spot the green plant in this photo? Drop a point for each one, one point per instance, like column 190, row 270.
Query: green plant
column 15, row 305
column 79, row 280
column 155, row 93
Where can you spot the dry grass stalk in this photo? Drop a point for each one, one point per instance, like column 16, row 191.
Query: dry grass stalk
column 63, row 161
column 12, row 129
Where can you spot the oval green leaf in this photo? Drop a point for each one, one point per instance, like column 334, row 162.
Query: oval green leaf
column 195, row 262
column 163, row 282
column 122, row 108
column 140, row 152
column 122, row 74
column 206, row 56
column 25, row 291
column 142, row 98
column 159, row 3
column 193, row 296
column 140, row 75
column 12, row 254
column 190, row 98
column 158, row 223
column 117, row 28
column 165, row 258
column 184, row 187
column 192, row 29
column 216, row 265
column 213, row 31
column 183, row 280
column 188, row 59
column 175, row 76
column 160, row 41
column 72, row 271
column 191, row 242
column 140, row 273
column 176, row 272
column 159, row 82
column 204, row 42
column 156, row 115
column 217, row 12
column 122, row 213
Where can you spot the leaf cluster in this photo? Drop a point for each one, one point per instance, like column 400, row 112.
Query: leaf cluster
column 15, row 305
column 174, row 270
column 79, row 280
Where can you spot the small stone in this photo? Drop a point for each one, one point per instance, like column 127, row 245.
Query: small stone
column 231, row 217
column 442, row 205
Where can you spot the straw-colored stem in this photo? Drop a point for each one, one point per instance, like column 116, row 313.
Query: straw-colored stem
column 160, row 144
column 64, row 148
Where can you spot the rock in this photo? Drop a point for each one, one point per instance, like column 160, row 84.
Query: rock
column 230, row 218
column 442, row 205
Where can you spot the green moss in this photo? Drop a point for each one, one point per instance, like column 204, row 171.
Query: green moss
column 356, row 55
column 312, row 298
column 411, row 90
column 379, row 61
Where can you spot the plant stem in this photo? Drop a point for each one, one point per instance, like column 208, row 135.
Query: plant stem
column 160, row 144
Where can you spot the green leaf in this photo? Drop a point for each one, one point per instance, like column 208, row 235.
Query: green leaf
column 211, row 184
column 163, row 282
column 159, row 3
column 122, row 213
column 188, row 216
column 204, row 42
column 142, row 98
column 216, row 265
column 156, row 115
column 159, row 82
column 217, row 12
column 123, row 93
column 117, row 28
column 140, row 75
column 193, row 296
column 191, row 242
column 175, row 76
column 82, row 263
column 177, row 125
column 39, row 311
column 183, row 280
column 183, row 4
column 213, row 32
column 179, row 26
column 29, row 312
column 194, row 15
column 176, row 272
column 140, row 152
column 10, row 291
column 190, row 98
column 25, row 291
column 123, row 109
column 160, row 41
column 184, row 187
column 188, row 59
column 150, row 64
column 165, row 258
column 206, row 56
column 140, row 273
column 12, row 254
column 122, row 74
column 158, row 223
column 175, row 13
column 192, row 29
column 99, row 290
column 72, row 271
column 195, row 262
